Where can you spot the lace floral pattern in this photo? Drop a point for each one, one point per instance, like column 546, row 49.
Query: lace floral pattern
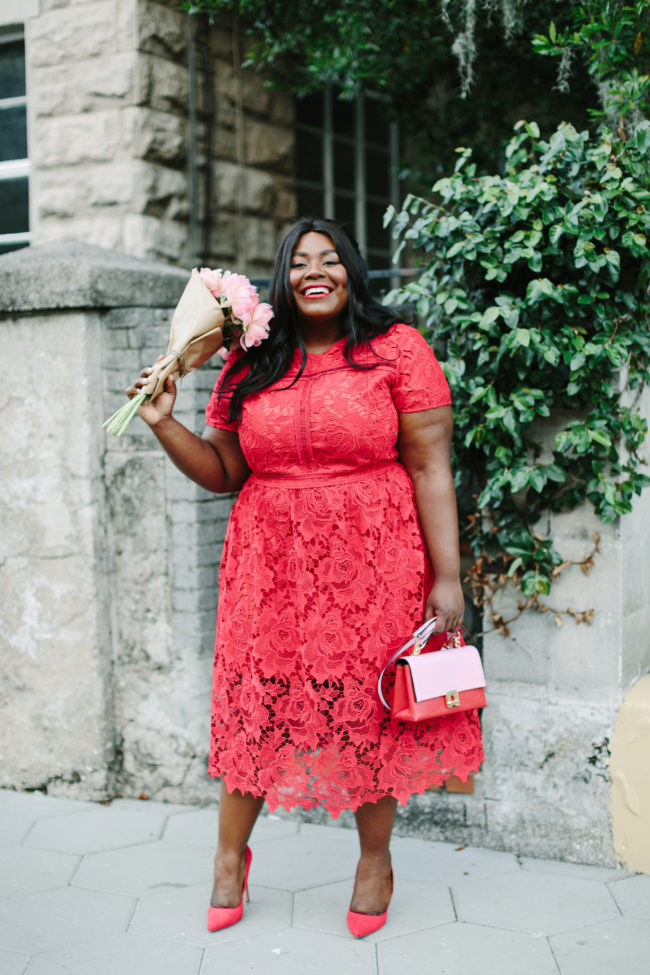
column 324, row 574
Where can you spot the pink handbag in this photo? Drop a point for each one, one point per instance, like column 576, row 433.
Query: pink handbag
column 435, row 684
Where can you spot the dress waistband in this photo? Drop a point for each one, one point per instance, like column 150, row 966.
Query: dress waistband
column 326, row 478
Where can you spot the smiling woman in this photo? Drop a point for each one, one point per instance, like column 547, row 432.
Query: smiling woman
column 343, row 538
column 320, row 288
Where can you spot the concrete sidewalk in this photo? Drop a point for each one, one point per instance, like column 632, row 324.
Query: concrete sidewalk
column 123, row 890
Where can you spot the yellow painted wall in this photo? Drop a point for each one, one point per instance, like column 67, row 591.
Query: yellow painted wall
column 630, row 777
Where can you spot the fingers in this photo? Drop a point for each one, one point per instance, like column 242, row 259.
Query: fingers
column 446, row 621
column 141, row 381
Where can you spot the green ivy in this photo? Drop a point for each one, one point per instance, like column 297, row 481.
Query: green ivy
column 536, row 285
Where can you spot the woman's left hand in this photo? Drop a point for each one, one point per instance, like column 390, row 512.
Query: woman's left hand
column 446, row 603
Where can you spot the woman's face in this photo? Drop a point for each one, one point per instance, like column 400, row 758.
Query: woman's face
column 318, row 279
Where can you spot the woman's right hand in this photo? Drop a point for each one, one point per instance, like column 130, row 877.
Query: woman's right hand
column 163, row 405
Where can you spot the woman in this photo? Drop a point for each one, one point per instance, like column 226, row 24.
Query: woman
column 336, row 431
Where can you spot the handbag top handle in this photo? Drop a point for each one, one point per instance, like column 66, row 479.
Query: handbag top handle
column 418, row 641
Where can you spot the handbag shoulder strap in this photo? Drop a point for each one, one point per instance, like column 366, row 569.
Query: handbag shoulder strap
column 419, row 640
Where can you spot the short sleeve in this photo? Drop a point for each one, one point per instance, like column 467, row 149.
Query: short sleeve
column 216, row 412
column 420, row 383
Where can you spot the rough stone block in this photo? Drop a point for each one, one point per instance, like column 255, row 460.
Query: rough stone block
column 160, row 240
column 52, row 91
column 105, row 233
column 163, row 192
column 220, row 39
column 156, row 136
column 286, row 199
column 101, row 79
column 161, row 30
column 161, row 84
column 64, row 141
column 235, row 183
column 76, row 33
column 269, row 147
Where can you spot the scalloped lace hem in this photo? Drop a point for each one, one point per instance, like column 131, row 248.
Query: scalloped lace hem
column 335, row 805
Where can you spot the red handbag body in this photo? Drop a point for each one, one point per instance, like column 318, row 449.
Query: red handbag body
column 436, row 684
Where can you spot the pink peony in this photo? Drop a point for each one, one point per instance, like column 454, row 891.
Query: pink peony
column 257, row 329
column 213, row 280
column 240, row 304
column 240, row 295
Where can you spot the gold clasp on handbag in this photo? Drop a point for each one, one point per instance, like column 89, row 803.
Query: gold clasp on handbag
column 452, row 699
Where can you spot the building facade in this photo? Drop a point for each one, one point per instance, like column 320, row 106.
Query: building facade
column 129, row 125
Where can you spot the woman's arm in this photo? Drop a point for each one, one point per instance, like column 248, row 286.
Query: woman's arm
column 214, row 461
column 424, row 448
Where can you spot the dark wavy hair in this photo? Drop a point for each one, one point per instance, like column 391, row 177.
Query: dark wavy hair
column 364, row 318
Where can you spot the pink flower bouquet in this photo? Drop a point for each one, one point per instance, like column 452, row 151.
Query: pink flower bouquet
column 215, row 308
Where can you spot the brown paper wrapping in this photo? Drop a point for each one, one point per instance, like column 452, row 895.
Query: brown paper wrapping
column 196, row 334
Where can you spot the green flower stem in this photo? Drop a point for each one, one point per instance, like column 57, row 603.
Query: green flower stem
column 119, row 421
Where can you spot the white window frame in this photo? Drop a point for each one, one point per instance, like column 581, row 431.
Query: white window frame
column 14, row 168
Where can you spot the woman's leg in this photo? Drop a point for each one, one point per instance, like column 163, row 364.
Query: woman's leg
column 373, row 884
column 237, row 814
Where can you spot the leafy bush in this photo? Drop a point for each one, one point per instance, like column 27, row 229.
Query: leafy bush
column 537, row 282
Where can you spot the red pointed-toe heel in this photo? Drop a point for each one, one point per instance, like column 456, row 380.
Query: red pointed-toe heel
column 225, row 917
column 361, row 925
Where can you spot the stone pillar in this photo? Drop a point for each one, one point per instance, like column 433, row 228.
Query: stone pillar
column 108, row 564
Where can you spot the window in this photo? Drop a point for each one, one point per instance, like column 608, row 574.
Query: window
column 14, row 164
column 347, row 158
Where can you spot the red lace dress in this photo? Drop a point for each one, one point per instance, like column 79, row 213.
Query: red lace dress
column 324, row 575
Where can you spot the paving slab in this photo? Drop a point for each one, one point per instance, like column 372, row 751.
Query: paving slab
column 123, row 955
column 13, row 829
column 199, row 828
column 292, row 952
column 537, row 903
column 24, row 871
column 301, row 861
column 142, row 869
column 463, row 949
column 445, row 863
column 150, row 807
column 580, row 870
column 95, row 829
column 12, row 962
column 63, row 916
column 633, row 898
column 620, row 947
column 36, row 804
column 181, row 915
column 414, row 906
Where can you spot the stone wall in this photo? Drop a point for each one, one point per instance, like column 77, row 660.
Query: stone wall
column 114, row 155
column 108, row 558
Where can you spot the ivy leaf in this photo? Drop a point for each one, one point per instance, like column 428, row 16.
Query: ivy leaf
column 537, row 479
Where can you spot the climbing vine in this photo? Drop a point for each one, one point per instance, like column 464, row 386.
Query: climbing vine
column 536, row 282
